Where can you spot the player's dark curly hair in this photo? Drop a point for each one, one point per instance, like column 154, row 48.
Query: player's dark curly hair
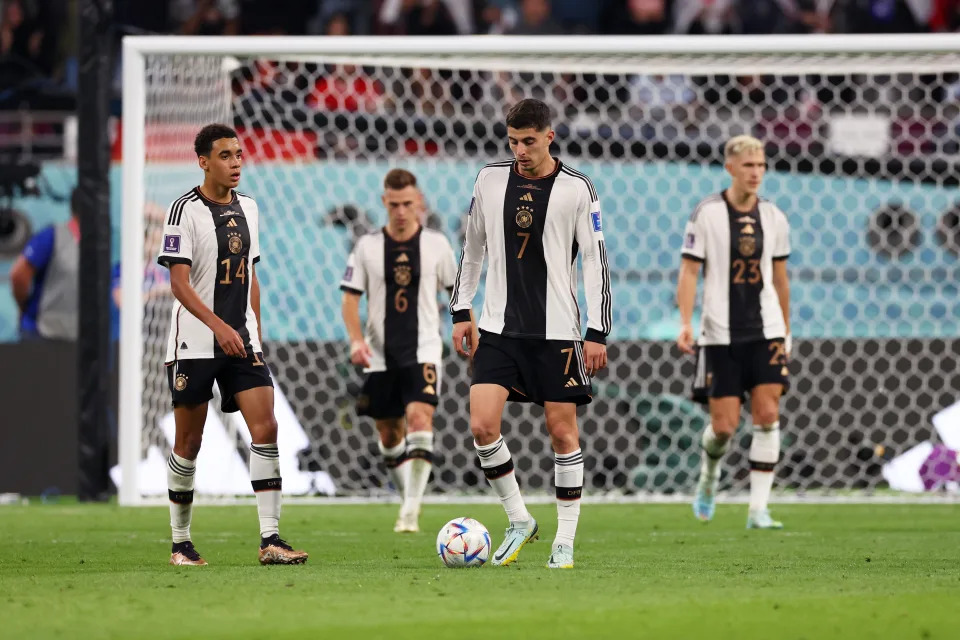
column 203, row 143
column 529, row 113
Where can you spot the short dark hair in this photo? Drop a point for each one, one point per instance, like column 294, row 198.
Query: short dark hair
column 529, row 113
column 75, row 202
column 203, row 143
column 399, row 179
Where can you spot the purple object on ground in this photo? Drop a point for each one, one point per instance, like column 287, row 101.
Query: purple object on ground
column 940, row 467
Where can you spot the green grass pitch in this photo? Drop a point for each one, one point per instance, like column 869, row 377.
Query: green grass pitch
column 643, row 571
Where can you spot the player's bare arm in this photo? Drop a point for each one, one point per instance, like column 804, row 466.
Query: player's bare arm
column 686, row 297
column 228, row 338
column 255, row 300
column 21, row 281
column 781, row 282
column 350, row 309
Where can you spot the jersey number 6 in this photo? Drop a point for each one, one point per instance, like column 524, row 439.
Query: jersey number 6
column 400, row 301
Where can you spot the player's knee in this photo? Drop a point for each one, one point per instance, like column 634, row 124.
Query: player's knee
column 419, row 420
column 565, row 442
column 765, row 416
column 189, row 449
column 265, row 430
column 724, row 428
column 563, row 435
column 485, row 429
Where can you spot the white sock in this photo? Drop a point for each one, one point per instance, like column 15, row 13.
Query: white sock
column 180, row 472
column 764, row 454
column 266, row 482
column 420, row 456
column 568, row 476
column 498, row 468
column 713, row 452
column 394, row 459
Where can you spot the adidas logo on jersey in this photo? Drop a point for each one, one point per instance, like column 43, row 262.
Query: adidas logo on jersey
column 572, row 383
column 403, row 258
column 232, row 223
column 527, row 197
column 183, row 345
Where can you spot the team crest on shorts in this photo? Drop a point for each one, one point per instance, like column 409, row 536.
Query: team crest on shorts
column 524, row 216
column 180, row 382
column 402, row 275
column 747, row 245
column 234, row 243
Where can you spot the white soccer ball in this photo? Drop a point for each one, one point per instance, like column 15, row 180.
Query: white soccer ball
column 463, row 542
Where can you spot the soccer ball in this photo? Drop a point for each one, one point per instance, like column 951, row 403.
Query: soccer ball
column 463, row 542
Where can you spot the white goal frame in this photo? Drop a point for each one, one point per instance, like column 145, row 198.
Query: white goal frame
column 509, row 53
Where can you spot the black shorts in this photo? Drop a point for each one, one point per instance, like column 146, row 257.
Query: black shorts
column 386, row 394
column 191, row 381
column 725, row 370
column 533, row 370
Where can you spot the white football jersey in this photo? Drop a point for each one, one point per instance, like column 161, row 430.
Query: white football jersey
column 532, row 230
column 221, row 243
column 402, row 281
column 737, row 250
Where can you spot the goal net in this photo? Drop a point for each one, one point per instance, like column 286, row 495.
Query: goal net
column 861, row 140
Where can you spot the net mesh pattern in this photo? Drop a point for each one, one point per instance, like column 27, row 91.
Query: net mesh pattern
column 862, row 152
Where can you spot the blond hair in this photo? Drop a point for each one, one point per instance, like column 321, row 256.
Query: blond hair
column 738, row 144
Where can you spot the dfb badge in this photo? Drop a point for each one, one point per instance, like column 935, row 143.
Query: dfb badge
column 402, row 275
column 524, row 216
column 234, row 243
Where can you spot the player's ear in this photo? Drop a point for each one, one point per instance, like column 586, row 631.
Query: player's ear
column 550, row 136
column 203, row 161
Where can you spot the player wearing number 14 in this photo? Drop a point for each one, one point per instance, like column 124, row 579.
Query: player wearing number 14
column 211, row 244
column 745, row 333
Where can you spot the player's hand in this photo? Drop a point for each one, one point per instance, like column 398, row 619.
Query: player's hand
column 464, row 331
column 594, row 357
column 685, row 339
column 230, row 341
column 360, row 353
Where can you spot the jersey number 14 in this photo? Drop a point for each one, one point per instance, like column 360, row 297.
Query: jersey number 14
column 229, row 275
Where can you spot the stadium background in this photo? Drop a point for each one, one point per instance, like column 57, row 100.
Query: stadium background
column 874, row 263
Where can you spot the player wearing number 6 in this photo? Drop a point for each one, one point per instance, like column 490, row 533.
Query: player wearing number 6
column 743, row 242
column 533, row 216
column 211, row 244
column 402, row 268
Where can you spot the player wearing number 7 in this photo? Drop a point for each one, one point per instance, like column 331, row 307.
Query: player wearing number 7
column 744, row 242
column 211, row 244
column 402, row 268
column 533, row 216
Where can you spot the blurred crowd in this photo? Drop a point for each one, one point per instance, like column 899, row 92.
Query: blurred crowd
column 38, row 37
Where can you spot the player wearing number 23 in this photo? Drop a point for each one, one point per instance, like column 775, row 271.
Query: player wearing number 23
column 743, row 243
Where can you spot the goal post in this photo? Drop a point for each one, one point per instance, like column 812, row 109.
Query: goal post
column 861, row 139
